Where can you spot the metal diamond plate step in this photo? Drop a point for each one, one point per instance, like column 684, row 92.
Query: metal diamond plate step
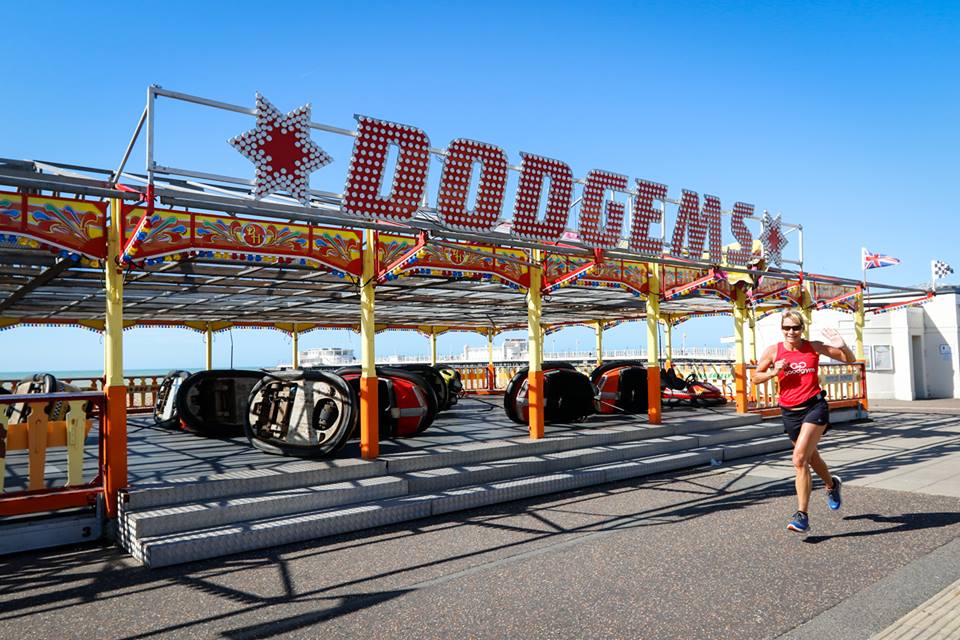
column 173, row 548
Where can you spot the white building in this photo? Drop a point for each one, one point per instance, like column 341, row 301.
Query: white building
column 911, row 352
column 511, row 349
column 327, row 356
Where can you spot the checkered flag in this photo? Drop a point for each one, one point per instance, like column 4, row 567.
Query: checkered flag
column 941, row 269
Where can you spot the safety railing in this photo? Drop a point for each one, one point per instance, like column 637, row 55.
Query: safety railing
column 719, row 374
column 31, row 425
column 845, row 384
column 141, row 390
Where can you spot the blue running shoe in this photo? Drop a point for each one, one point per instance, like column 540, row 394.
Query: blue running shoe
column 833, row 495
column 800, row 522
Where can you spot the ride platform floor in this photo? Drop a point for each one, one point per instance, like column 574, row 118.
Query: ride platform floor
column 156, row 454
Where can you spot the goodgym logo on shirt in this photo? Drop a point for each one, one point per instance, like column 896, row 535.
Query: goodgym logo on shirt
column 798, row 368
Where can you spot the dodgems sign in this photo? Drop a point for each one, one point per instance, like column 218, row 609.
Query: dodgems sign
column 388, row 153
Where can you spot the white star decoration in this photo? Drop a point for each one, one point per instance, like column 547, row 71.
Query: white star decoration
column 281, row 148
column 772, row 238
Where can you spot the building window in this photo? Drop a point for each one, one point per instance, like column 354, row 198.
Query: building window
column 879, row 357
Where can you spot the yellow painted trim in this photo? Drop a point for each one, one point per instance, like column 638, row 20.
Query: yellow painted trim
column 653, row 316
column 368, row 327
column 859, row 318
column 113, row 325
column 490, row 348
column 433, row 349
column 299, row 327
column 739, row 316
column 295, row 339
column 807, row 308
column 369, row 412
column 214, row 327
column 208, row 342
column 534, row 310
column 36, row 445
column 598, row 332
column 668, row 338
column 97, row 325
column 76, row 429
column 739, row 352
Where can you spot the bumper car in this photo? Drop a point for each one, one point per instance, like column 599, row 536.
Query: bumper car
column 307, row 414
column 407, row 403
column 568, row 395
column 621, row 387
column 165, row 410
column 214, row 403
column 689, row 391
column 39, row 383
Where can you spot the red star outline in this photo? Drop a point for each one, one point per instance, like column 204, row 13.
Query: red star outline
column 282, row 151
column 772, row 238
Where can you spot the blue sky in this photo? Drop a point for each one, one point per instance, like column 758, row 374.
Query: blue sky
column 842, row 116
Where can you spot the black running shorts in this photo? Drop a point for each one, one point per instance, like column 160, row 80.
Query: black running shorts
column 814, row 410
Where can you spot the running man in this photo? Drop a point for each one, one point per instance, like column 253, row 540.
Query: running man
column 806, row 417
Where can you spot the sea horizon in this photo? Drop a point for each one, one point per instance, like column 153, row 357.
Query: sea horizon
column 98, row 373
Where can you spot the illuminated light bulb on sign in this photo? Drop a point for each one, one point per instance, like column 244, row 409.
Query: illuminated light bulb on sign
column 282, row 151
column 742, row 234
column 644, row 214
column 696, row 225
column 772, row 238
column 455, row 185
column 593, row 208
column 361, row 195
column 533, row 171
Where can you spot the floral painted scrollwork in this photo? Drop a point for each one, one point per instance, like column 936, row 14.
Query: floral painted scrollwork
column 71, row 225
column 10, row 214
column 338, row 248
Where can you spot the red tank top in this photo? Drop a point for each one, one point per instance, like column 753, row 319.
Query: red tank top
column 799, row 378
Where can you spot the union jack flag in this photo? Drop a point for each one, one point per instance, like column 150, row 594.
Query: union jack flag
column 876, row 260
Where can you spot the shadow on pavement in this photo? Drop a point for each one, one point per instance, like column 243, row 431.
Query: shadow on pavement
column 901, row 523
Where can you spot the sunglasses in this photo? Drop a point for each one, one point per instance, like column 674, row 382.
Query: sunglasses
column 792, row 327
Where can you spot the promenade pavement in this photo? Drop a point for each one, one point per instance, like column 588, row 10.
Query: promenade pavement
column 697, row 554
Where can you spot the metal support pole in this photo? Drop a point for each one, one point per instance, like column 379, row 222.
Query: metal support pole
column 739, row 359
column 208, row 340
column 115, row 425
column 491, row 369
column 369, row 408
column 433, row 346
column 668, row 341
column 806, row 308
column 295, row 336
column 859, row 320
column 654, row 414
column 598, row 329
column 752, row 336
column 535, row 348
